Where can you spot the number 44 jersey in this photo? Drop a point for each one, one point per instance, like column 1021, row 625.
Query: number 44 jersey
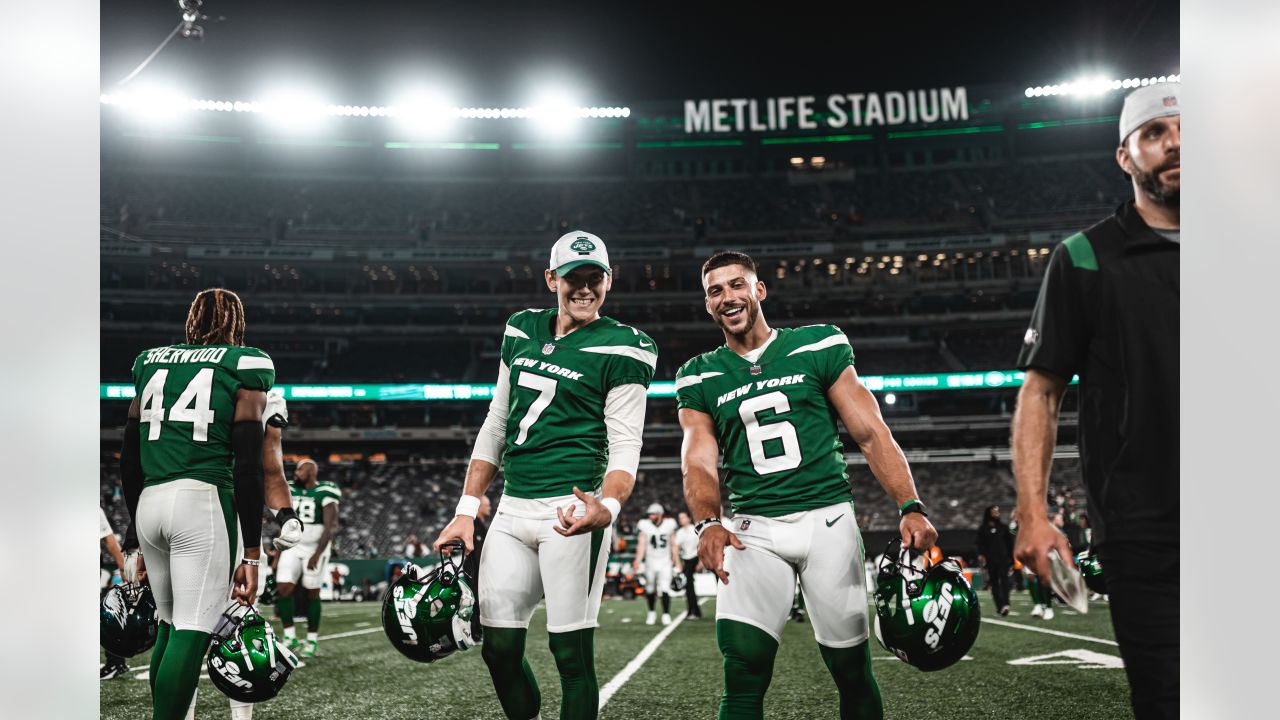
column 556, row 435
column 187, row 399
column 775, row 427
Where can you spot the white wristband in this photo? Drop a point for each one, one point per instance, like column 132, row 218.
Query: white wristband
column 468, row 505
column 613, row 506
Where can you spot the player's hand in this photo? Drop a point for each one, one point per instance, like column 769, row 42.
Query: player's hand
column 462, row 527
column 711, row 549
column 134, row 570
column 290, row 534
column 313, row 561
column 245, row 588
column 635, row 565
column 917, row 532
column 1035, row 539
column 594, row 517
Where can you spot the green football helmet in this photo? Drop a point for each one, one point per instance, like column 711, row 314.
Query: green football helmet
column 245, row 661
column 269, row 594
column 928, row 617
column 428, row 614
column 1091, row 568
column 127, row 619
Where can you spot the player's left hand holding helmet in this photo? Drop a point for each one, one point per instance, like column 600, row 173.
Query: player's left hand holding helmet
column 127, row 619
column 427, row 614
column 677, row 582
column 1091, row 568
column 245, row 661
column 929, row 617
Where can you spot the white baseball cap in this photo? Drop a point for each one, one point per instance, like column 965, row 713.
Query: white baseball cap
column 654, row 509
column 1148, row 103
column 577, row 248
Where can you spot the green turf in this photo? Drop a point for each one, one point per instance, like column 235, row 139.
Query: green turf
column 362, row 676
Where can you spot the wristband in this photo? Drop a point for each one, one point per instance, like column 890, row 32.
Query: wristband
column 468, row 505
column 286, row 514
column 912, row 506
column 250, row 562
column 613, row 506
column 697, row 529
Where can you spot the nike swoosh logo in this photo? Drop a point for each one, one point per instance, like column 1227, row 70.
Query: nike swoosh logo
column 645, row 344
column 833, row 522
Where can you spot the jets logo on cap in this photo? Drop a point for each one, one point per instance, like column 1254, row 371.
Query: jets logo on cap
column 583, row 246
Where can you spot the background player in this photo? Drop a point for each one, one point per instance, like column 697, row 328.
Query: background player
column 115, row 665
column 687, row 550
column 316, row 503
column 567, row 414
column 769, row 400
column 656, row 550
column 197, row 466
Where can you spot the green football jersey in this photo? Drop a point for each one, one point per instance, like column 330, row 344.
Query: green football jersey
column 780, row 449
column 187, row 398
column 556, row 436
column 309, row 503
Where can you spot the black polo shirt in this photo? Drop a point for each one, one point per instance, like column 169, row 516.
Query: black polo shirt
column 1108, row 311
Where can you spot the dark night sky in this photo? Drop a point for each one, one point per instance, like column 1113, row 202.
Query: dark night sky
column 493, row 53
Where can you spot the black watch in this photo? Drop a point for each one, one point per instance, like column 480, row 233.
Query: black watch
column 697, row 529
column 915, row 506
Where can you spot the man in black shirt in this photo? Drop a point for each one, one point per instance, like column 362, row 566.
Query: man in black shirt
column 1108, row 312
column 995, row 552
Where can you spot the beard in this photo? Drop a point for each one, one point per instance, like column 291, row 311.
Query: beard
column 753, row 313
column 1156, row 189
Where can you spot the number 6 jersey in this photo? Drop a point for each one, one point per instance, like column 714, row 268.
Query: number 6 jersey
column 556, row 434
column 777, row 432
column 187, row 399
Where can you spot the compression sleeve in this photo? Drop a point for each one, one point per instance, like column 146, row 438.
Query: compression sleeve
column 131, row 478
column 491, row 443
column 246, row 443
column 624, row 409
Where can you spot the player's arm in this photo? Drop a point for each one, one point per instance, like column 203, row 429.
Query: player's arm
column 642, row 543
column 131, row 478
column 246, row 447
column 675, row 548
column 113, row 547
column 698, row 454
column 1035, row 433
column 276, row 488
column 860, row 412
column 330, row 512
column 624, row 409
column 486, row 457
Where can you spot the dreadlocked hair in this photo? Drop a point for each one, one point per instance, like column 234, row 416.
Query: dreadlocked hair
column 216, row 317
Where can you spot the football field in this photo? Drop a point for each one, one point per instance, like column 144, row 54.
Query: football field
column 1020, row 667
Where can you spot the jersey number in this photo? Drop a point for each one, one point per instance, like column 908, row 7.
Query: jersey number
column 306, row 508
column 546, row 388
column 192, row 405
column 782, row 430
column 658, row 541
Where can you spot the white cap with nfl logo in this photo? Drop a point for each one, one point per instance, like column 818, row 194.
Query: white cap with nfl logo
column 1148, row 103
column 578, row 248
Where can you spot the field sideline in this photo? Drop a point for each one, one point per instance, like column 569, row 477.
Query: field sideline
column 1016, row 670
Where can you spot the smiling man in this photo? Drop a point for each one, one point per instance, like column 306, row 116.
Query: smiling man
column 768, row 399
column 567, row 415
column 1108, row 311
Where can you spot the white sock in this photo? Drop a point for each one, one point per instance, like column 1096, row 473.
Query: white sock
column 288, row 632
column 313, row 636
column 241, row 710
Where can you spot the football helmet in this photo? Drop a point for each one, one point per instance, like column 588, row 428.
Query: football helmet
column 269, row 594
column 677, row 582
column 245, row 661
column 928, row 617
column 1091, row 568
column 427, row 613
column 127, row 619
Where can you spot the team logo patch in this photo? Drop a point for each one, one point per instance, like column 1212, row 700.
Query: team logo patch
column 756, row 370
column 582, row 246
column 548, row 348
column 746, row 523
column 1031, row 338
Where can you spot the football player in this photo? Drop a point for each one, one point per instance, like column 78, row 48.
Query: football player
column 768, row 399
column 687, row 549
column 192, row 461
column 656, row 551
column 567, row 415
column 316, row 503
column 115, row 665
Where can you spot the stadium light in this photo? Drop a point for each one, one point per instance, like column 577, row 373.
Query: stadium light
column 1095, row 86
column 298, row 108
column 890, row 399
column 151, row 104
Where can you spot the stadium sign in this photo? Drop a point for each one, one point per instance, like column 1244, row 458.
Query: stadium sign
column 724, row 115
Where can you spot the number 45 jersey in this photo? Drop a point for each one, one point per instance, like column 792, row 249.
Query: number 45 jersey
column 187, row 400
column 556, row 435
column 777, row 432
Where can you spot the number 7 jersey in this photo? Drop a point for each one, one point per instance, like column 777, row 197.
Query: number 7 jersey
column 556, row 435
column 781, row 452
column 186, row 401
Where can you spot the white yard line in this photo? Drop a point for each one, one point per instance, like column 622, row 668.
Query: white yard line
column 1059, row 633
column 639, row 660
column 353, row 633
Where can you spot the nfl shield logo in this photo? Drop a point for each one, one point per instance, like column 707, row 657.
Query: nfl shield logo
column 755, row 370
column 1170, row 101
column 546, row 349
column 746, row 523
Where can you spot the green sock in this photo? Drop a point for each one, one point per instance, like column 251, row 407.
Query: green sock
column 576, row 660
column 284, row 610
column 313, row 615
column 748, row 668
column 859, row 692
column 174, row 682
column 513, row 680
column 157, row 653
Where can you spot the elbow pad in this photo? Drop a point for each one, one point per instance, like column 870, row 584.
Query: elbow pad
column 246, row 444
